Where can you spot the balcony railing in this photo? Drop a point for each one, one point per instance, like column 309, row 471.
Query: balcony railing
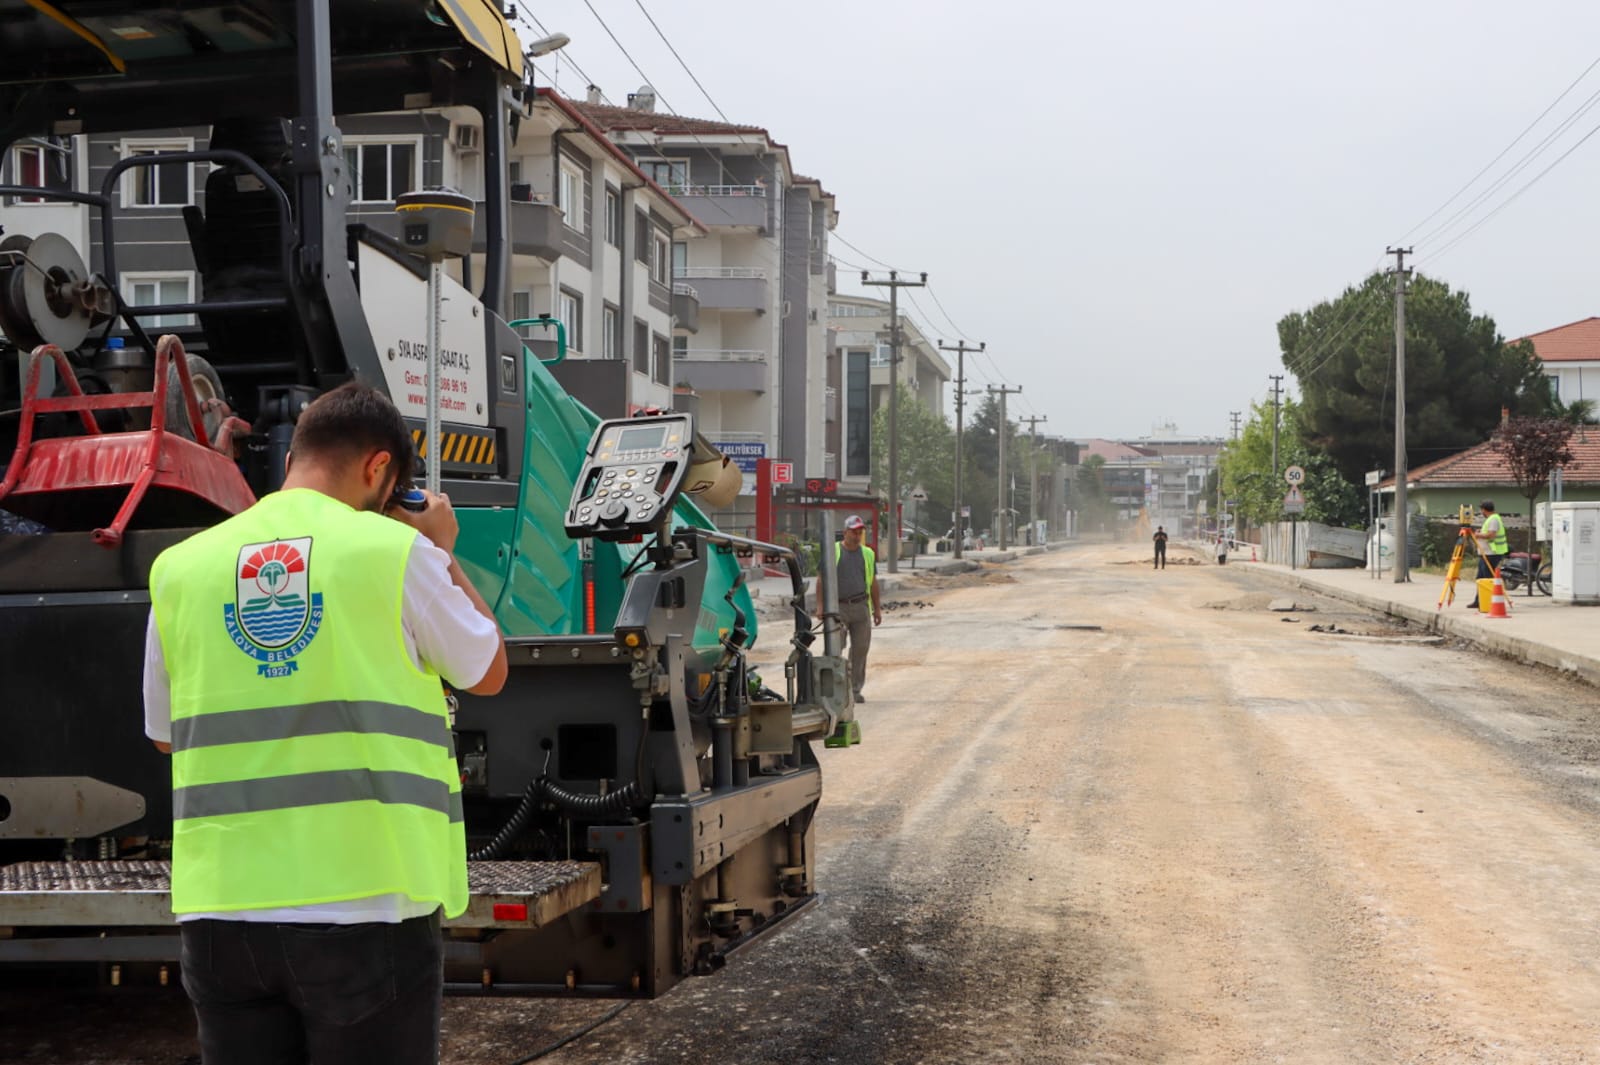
column 720, row 355
column 723, row 271
column 717, row 190
column 739, row 436
column 681, row 289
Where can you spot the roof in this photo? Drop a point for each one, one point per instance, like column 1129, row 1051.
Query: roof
column 1574, row 342
column 1111, row 451
column 572, row 110
column 1481, row 465
column 609, row 117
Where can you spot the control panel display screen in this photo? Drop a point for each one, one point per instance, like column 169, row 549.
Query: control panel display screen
column 642, row 439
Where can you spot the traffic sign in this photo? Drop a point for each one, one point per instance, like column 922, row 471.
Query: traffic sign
column 1295, row 475
column 1374, row 478
column 1294, row 501
column 783, row 473
column 919, row 496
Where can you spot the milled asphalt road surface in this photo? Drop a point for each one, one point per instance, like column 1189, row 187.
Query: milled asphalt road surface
column 1203, row 834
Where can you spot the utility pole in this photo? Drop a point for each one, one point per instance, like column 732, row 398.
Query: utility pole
column 1277, row 390
column 1235, row 415
column 961, row 350
column 894, row 285
column 1033, row 473
column 1002, row 430
column 1402, row 567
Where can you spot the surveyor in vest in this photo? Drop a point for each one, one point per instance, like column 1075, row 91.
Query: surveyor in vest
column 1493, row 545
column 293, row 670
column 860, row 607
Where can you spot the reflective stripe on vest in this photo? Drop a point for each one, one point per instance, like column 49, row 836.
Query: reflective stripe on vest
column 869, row 560
column 312, row 760
column 1499, row 544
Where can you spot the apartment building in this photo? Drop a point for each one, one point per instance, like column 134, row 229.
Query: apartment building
column 863, row 346
column 591, row 233
column 758, row 274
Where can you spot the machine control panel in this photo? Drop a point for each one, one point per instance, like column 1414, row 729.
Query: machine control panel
column 631, row 477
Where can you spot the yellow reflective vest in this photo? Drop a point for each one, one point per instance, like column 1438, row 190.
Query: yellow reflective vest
column 1494, row 530
column 312, row 761
column 869, row 559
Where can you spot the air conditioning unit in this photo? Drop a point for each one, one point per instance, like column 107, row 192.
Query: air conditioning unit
column 468, row 138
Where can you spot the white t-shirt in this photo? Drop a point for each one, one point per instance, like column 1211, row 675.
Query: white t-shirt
column 443, row 631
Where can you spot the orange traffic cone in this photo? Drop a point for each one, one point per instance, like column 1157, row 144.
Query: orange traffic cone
column 1497, row 601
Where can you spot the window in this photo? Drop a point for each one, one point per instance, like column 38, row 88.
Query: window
column 47, row 166
column 680, row 258
column 571, row 197
column 522, row 307
column 382, row 170
column 514, row 175
column 571, row 315
column 611, row 327
column 882, row 354
column 680, row 347
column 661, row 358
column 613, row 217
column 661, row 263
column 670, row 174
column 641, row 237
column 641, row 347
column 161, row 185
column 150, row 290
column 1555, row 385
column 858, row 415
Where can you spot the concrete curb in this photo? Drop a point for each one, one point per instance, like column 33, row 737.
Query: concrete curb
column 1520, row 648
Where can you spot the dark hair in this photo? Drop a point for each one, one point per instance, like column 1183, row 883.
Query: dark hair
column 350, row 423
column 1487, row 504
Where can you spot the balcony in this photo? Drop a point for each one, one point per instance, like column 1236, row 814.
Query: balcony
column 685, row 308
column 729, row 288
column 725, row 205
column 535, row 229
column 721, row 370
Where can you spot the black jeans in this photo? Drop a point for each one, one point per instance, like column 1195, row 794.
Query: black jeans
column 1487, row 564
column 293, row 994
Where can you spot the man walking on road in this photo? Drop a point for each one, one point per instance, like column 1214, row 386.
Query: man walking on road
column 292, row 670
column 1160, row 539
column 860, row 607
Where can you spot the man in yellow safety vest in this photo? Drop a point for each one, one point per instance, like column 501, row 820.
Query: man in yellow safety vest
column 1493, row 544
column 860, row 608
column 293, row 670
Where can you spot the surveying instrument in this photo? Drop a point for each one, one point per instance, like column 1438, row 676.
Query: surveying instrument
column 1464, row 536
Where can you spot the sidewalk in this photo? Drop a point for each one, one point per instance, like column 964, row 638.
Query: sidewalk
column 1539, row 630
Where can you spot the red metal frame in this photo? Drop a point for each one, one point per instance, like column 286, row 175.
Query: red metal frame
column 140, row 459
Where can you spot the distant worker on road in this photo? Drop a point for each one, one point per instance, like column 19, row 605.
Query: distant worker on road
column 860, row 606
column 292, row 670
column 1222, row 550
column 1493, row 546
column 1160, row 539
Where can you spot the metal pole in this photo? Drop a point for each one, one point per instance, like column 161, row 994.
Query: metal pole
column 1277, row 389
column 828, row 589
column 1002, row 430
column 1402, row 561
column 1033, row 472
column 894, row 285
column 435, row 300
column 961, row 350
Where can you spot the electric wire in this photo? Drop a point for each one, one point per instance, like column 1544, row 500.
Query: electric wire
column 1508, row 201
column 653, row 25
column 532, row 22
column 574, row 1036
column 1503, row 151
column 1522, row 164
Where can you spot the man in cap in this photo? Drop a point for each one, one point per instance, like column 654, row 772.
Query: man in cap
column 860, row 607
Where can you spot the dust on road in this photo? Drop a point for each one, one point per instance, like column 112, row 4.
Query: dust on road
column 1196, row 835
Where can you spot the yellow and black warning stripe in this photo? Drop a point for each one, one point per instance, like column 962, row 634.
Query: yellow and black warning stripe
column 468, row 450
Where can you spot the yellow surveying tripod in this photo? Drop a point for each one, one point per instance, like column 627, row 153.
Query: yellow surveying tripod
column 1464, row 537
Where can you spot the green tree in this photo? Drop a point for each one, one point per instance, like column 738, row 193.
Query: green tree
column 980, row 464
column 1460, row 372
column 1533, row 449
column 1090, row 498
column 1249, row 479
column 927, row 458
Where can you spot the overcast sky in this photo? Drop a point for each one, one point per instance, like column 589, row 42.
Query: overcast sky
column 1123, row 199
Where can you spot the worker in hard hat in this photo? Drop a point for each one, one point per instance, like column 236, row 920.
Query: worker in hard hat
column 293, row 670
column 860, row 606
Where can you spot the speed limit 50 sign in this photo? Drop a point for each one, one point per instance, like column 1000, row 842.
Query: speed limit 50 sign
column 1295, row 475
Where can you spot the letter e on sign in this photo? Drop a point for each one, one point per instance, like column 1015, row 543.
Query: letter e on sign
column 783, row 473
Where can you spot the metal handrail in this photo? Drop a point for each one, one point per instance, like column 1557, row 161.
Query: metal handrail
column 753, row 272
column 561, row 336
column 720, row 354
column 716, row 190
column 681, row 289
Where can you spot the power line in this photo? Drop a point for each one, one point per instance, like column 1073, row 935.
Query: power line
column 1522, row 164
column 1503, row 151
column 1509, row 200
column 681, row 63
column 532, row 22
